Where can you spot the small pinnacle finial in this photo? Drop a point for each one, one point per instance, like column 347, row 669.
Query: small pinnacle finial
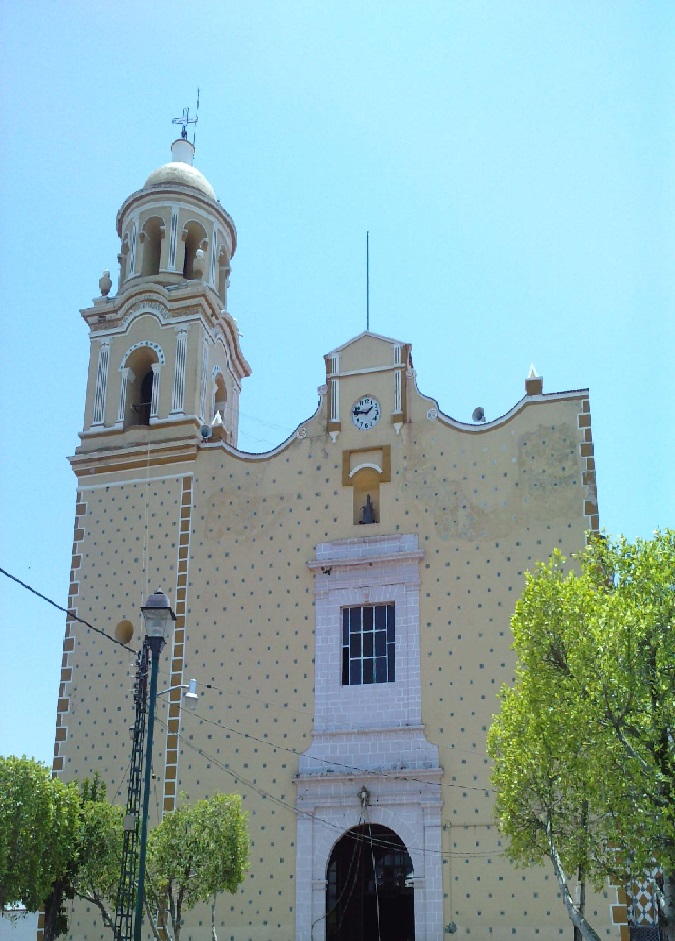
column 534, row 384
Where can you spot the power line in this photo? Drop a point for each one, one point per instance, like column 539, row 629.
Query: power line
column 379, row 774
column 305, row 813
column 307, row 712
column 263, row 702
column 66, row 611
column 74, row 617
column 124, row 777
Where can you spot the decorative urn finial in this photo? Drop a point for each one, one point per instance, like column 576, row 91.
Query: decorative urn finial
column 105, row 283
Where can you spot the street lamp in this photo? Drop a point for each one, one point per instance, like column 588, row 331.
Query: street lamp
column 157, row 615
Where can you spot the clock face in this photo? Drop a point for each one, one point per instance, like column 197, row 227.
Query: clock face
column 366, row 412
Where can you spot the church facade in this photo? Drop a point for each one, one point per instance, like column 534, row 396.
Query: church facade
column 343, row 601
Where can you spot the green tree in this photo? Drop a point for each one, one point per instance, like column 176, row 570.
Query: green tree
column 58, row 841
column 195, row 853
column 38, row 823
column 99, row 850
column 584, row 744
column 93, row 870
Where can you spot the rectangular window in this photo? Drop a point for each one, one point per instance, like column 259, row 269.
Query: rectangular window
column 368, row 644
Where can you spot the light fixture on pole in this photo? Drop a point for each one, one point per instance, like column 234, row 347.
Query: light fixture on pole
column 157, row 615
column 191, row 697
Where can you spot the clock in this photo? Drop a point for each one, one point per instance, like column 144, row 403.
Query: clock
column 366, row 412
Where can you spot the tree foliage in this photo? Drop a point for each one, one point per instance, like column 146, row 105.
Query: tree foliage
column 38, row 822
column 93, row 870
column 195, row 853
column 58, row 841
column 99, row 850
column 584, row 747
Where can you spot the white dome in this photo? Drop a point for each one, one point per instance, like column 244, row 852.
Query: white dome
column 183, row 174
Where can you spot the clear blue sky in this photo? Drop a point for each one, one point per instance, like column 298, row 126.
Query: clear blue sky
column 513, row 161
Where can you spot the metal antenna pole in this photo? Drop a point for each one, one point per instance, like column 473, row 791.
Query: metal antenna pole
column 367, row 281
column 127, row 888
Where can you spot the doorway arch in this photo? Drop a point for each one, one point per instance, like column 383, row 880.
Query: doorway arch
column 369, row 888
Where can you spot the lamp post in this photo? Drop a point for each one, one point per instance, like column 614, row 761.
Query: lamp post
column 157, row 615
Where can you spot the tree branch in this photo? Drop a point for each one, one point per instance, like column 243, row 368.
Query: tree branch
column 151, row 898
column 214, row 936
column 96, row 900
column 620, row 728
column 575, row 915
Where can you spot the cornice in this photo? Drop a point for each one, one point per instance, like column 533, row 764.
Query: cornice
column 527, row 401
column 364, row 561
column 88, row 463
column 362, row 774
column 112, row 316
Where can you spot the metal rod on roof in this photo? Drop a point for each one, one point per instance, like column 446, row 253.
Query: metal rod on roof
column 367, row 282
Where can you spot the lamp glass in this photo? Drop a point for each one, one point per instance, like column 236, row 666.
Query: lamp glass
column 157, row 622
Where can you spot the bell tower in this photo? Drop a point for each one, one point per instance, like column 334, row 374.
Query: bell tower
column 165, row 355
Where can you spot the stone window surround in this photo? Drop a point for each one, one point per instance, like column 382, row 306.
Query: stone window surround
column 353, row 572
column 368, row 735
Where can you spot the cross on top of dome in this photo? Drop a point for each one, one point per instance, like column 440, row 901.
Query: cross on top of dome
column 185, row 119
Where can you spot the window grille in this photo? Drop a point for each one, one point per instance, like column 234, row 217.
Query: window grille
column 368, row 644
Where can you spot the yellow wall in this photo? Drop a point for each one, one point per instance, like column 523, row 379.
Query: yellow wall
column 228, row 537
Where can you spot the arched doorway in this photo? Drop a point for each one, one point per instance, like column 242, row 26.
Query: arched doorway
column 369, row 894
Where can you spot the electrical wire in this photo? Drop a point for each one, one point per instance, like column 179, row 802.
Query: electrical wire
column 218, row 689
column 146, row 529
column 66, row 611
column 263, row 702
column 307, row 712
column 350, row 768
column 355, row 857
column 124, row 777
column 377, row 890
column 379, row 774
column 154, row 791
column 266, row 795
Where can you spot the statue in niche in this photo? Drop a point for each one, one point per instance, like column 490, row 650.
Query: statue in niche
column 368, row 512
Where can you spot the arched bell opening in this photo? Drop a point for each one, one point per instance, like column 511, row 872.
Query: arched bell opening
column 151, row 242
column 141, row 404
column 366, row 488
column 194, row 236
column 369, row 888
